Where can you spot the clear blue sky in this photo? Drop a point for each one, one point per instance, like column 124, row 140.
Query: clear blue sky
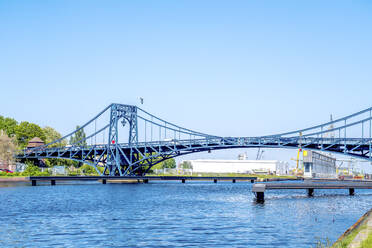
column 230, row 68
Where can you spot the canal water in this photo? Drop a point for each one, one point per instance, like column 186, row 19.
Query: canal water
column 172, row 214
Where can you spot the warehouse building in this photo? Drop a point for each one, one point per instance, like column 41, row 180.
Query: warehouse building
column 319, row 165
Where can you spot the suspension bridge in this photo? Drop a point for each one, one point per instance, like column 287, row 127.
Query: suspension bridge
column 134, row 140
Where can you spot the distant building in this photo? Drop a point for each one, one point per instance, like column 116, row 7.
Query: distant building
column 59, row 170
column 319, row 165
column 240, row 166
column 36, row 142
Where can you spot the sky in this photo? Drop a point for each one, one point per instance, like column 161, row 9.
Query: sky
column 228, row 68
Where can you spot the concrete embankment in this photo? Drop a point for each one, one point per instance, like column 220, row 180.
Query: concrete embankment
column 358, row 235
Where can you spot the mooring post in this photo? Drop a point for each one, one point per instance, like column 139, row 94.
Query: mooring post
column 310, row 192
column 351, row 191
column 259, row 190
column 33, row 182
column 103, row 181
column 234, row 181
column 53, row 182
column 183, row 180
column 215, row 180
column 260, row 197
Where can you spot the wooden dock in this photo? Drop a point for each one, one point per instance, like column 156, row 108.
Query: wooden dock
column 259, row 188
column 144, row 179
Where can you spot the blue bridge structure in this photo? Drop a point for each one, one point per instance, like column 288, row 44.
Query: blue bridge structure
column 134, row 140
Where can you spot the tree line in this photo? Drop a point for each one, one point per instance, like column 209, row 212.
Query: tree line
column 15, row 136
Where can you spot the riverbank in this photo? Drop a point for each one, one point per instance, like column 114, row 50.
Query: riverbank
column 358, row 235
column 14, row 179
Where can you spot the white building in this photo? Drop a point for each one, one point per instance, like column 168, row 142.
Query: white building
column 240, row 166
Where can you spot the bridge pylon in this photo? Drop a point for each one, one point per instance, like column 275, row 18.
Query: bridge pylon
column 117, row 161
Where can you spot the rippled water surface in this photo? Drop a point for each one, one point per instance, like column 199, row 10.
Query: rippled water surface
column 171, row 214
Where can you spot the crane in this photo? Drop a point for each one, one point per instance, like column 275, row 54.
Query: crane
column 299, row 162
column 259, row 154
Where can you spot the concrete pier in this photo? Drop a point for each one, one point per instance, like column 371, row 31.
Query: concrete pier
column 310, row 187
column 310, row 192
column 144, row 179
column 259, row 191
column 351, row 191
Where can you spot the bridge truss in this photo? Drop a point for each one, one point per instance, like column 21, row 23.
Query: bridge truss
column 134, row 140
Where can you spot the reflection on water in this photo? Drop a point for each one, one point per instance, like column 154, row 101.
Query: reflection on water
column 169, row 214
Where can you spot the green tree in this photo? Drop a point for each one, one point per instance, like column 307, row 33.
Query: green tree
column 169, row 163
column 2, row 126
column 88, row 170
column 79, row 138
column 50, row 162
column 51, row 135
column 26, row 131
column 186, row 165
column 33, row 170
column 9, row 126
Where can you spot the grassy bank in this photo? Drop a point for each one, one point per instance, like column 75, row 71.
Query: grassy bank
column 18, row 176
column 351, row 234
column 368, row 242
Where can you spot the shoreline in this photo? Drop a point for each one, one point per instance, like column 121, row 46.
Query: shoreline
column 14, row 179
column 358, row 235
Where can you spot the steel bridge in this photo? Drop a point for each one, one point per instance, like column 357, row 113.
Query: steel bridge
column 134, row 140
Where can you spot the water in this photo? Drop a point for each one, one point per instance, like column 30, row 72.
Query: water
column 172, row 214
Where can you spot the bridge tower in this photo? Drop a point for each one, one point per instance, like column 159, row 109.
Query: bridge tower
column 116, row 160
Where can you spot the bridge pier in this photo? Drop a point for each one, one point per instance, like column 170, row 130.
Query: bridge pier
column 103, row 181
column 146, row 180
column 183, row 180
column 351, row 191
column 234, row 181
column 310, row 192
column 215, row 180
column 252, row 181
column 33, row 182
column 53, row 182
